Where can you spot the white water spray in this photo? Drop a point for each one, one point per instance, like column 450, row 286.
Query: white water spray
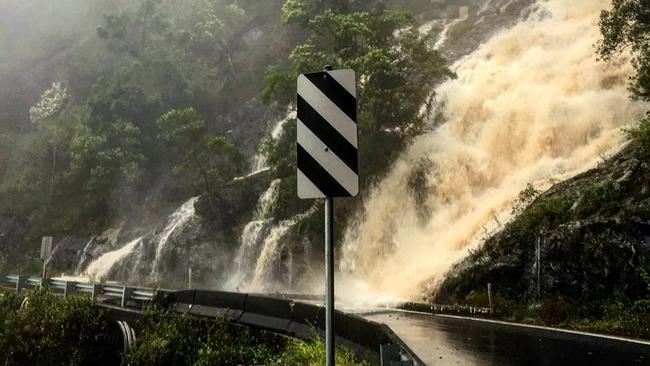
column 253, row 236
column 100, row 269
column 271, row 251
column 531, row 105
column 176, row 221
column 260, row 161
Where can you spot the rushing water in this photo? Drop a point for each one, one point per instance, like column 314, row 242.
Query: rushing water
column 133, row 254
column 99, row 270
column 252, row 237
column 531, row 105
column 175, row 222
column 260, row 161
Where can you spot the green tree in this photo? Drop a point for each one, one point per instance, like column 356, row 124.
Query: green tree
column 200, row 160
column 626, row 26
column 106, row 168
column 34, row 185
column 395, row 66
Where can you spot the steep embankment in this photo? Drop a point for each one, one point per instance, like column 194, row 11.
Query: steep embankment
column 593, row 232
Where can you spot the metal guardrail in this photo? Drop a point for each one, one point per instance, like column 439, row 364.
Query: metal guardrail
column 125, row 294
column 444, row 309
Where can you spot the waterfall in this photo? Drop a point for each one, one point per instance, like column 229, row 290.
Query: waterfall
column 270, row 254
column 100, row 269
column 253, row 236
column 175, row 222
column 260, row 160
column 531, row 105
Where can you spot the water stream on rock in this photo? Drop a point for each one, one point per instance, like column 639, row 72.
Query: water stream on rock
column 176, row 221
column 531, row 105
column 253, row 236
column 99, row 270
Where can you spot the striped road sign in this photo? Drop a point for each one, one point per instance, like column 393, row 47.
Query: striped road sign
column 327, row 135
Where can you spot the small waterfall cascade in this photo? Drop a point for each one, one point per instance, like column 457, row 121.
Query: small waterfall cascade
column 253, row 236
column 270, row 255
column 260, row 160
column 89, row 254
column 175, row 222
column 100, row 269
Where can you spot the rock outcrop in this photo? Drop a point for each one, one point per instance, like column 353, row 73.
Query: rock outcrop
column 593, row 233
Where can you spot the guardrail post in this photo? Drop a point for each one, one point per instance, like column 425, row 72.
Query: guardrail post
column 489, row 288
column 97, row 289
column 388, row 353
column 69, row 288
column 20, row 284
column 126, row 295
column 401, row 363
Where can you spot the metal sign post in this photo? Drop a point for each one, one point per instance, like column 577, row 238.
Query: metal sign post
column 327, row 159
column 329, row 281
column 46, row 252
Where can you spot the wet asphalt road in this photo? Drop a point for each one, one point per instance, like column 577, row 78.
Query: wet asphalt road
column 440, row 340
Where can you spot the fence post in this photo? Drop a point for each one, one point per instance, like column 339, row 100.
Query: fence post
column 69, row 288
column 126, row 295
column 20, row 283
column 388, row 353
column 489, row 288
column 97, row 289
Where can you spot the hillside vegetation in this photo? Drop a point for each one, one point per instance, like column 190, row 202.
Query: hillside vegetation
column 151, row 102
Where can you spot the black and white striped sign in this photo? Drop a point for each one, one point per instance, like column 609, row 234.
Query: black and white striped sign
column 327, row 135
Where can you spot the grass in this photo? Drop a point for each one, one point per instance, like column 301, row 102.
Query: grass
column 623, row 317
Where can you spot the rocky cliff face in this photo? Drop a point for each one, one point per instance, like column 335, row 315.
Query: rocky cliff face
column 593, row 233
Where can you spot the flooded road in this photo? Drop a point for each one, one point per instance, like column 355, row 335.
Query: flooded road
column 442, row 340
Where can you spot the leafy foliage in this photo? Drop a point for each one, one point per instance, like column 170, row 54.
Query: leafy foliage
column 200, row 160
column 117, row 137
column 175, row 339
column 627, row 26
column 525, row 198
column 641, row 135
column 48, row 330
column 396, row 71
column 172, row 339
column 312, row 353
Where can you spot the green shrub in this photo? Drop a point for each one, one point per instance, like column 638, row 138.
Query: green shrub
column 630, row 318
column 478, row 298
column 641, row 135
column 9, row 305
column 50, row 330
column 510, row 309
column 554, row 311
column 312, row 353
column 599, row 196
column 172, row 339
